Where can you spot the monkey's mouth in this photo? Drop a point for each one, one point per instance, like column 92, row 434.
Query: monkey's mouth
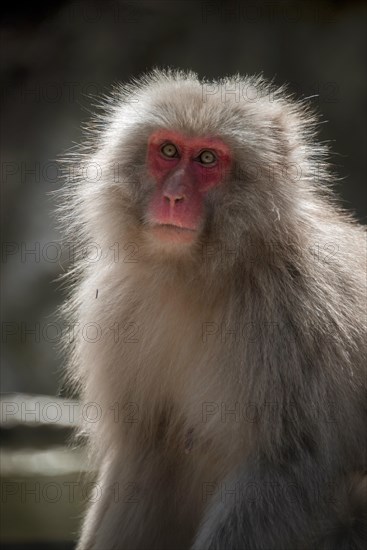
column 169, row 233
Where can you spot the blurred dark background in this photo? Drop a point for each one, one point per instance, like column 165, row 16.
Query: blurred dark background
column 55, row 58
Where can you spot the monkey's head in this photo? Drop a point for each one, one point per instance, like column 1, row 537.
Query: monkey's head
column 185, row 162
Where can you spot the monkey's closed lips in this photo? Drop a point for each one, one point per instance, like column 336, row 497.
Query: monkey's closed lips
column 173, row 233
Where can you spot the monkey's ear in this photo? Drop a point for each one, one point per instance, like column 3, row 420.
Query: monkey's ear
column 281, row 132
column 294, row 126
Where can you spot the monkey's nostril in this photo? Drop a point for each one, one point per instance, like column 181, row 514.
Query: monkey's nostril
column 173, row 200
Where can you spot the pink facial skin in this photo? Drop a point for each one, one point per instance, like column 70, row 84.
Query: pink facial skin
column 176, row 210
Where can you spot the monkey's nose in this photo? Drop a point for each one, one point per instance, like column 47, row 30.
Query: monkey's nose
column 173, row 198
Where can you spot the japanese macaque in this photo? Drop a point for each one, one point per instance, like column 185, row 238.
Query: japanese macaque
column 219, row 305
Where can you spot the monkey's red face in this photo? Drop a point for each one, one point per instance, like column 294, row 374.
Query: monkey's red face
column 184, row 170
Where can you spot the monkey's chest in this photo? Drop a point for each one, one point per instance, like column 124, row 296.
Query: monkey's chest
column 171, row 357
column 175, row 373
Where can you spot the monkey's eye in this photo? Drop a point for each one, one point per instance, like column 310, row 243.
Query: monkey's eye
column 207, row 157
column 169, row 150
